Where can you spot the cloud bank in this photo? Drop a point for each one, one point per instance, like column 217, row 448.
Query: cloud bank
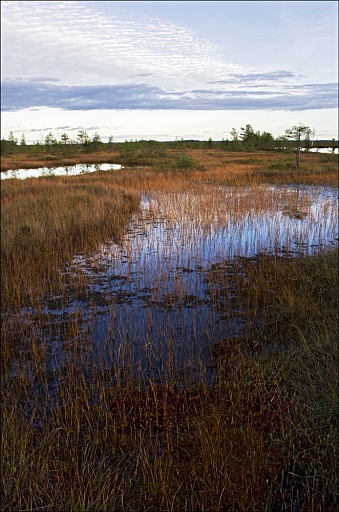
column 18, row 94
column 72, row 56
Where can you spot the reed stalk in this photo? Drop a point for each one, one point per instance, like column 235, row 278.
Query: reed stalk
column 111, row 437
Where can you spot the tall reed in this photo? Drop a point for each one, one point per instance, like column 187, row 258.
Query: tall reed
column 78, row 436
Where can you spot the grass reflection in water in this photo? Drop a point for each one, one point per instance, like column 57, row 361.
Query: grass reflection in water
column 187, row 364
column 181, row 279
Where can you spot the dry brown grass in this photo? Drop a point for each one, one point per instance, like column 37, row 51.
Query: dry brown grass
column 219, row 165
column 24, row 161
column 247, row 168
column 264, row 437
column 45, row 222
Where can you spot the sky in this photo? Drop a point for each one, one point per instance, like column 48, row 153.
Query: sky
column 165, row 70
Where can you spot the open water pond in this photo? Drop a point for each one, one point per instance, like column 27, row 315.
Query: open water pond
column 71, row 170
column 154, row 302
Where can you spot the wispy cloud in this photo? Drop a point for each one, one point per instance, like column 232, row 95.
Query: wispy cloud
column 79, row 45
column 271, row 76
column 70, row 55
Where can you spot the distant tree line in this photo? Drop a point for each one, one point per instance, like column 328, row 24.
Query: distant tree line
column 247, row 139
column 51, row 145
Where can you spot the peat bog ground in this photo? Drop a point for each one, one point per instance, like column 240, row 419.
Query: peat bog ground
column 169, row 335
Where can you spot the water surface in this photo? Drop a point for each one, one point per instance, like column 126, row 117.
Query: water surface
column 72, row 170
column 146, row 305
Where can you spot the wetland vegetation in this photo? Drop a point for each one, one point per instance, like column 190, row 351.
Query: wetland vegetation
column 169, row 332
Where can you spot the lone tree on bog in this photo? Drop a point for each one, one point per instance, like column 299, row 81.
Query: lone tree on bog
column 300, row 135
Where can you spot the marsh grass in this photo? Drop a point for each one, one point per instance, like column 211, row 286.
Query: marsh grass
column 45, row 222
column 25, row 161
column 262, row 437
column 223, row 166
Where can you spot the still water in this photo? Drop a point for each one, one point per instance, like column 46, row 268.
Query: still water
column 144, row 304
column 58, row 171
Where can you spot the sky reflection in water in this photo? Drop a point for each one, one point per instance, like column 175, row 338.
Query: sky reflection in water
column 148, row 307
column 72, row 170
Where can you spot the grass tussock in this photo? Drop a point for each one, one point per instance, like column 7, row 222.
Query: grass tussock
column 46, row 222
column 263, row 437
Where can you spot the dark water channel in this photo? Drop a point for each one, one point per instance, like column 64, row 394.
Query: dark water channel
column 144, row 306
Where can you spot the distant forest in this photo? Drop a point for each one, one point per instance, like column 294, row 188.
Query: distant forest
column 246, row 139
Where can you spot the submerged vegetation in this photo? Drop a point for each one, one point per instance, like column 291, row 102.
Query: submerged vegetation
column 261, row 435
